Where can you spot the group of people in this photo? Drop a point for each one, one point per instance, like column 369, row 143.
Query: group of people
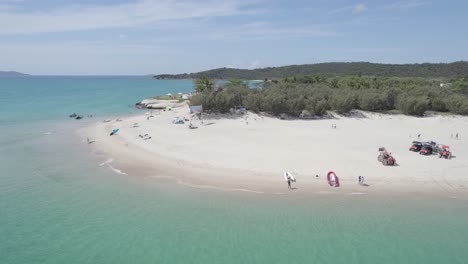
column 451, row 136
column 145, row 136
column 361, row 180
column 290, row 179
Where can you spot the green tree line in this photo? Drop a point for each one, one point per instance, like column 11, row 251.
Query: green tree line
column 426, row 70
column 315, row 95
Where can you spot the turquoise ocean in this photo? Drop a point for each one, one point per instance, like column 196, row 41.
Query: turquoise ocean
column 57, row 205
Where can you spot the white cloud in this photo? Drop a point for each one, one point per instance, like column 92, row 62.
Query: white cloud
column 340, row 10
column 264, row 30
column 371, row 50
column 8, row 5
column 407, row 4
column 254, row 64
column 78, row 17
column 83, row 57
column 250, row 65
column 355, row 9
column 359, row 8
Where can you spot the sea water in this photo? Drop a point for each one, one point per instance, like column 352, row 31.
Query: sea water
column 58, row 204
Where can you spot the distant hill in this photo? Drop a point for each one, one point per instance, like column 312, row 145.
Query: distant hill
column 12, row 74
column 427, row 70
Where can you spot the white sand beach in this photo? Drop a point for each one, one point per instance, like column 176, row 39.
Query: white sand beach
column 252, row 152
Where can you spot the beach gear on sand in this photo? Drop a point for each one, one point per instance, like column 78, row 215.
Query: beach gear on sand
column 114, row 132
column 287, row 175
column 333, row 179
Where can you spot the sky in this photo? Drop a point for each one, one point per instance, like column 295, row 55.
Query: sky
column 135, row 37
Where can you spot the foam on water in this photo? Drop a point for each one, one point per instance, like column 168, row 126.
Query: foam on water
column 109, row 160
column 108, row 164
column 199, row 186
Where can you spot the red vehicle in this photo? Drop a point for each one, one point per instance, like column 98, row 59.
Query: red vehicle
column 445, row 152
column 385, row 157
column 426, row 149
column 416, row 146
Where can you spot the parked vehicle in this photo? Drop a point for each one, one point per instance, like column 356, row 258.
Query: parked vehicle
column 416, row 146
column 438, row 148
column 385, row 157
column 445, row 152
column 426, row 149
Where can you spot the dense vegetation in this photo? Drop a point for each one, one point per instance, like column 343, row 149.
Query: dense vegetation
column 426, row 70
column 309, row 96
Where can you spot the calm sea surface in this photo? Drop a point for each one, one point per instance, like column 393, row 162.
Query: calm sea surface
column 57, row 205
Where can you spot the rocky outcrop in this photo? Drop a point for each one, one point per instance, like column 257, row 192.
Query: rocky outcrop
column 158, row 104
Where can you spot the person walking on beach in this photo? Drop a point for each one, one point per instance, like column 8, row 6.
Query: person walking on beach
column 456, row 136
column 361, row 180
column 289, row 181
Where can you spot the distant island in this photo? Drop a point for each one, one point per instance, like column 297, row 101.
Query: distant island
column 12, row 74
column 426, row 70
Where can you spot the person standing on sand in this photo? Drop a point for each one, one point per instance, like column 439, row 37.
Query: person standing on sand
column 288, row 179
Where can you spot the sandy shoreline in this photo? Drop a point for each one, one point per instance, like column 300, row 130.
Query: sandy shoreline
column 251, row 152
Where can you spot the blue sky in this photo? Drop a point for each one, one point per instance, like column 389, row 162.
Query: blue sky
column 176, row 36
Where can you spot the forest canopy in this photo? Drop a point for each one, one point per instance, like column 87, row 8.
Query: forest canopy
column 332, row 69
column 309, row 96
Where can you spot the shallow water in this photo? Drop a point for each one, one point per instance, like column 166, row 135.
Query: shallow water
column 58, row 205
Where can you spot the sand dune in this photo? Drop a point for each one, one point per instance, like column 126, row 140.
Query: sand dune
column 252, row 152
